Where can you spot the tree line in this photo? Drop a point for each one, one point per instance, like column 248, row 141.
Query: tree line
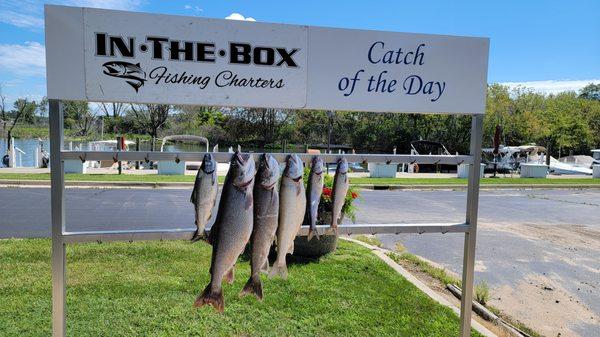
column 568, row 121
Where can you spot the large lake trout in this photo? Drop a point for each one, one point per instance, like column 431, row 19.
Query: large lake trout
column 266, row 211
column 340, row 189
column 292, row 205
column 232, row 228
column 313, row 195
column 204, row 195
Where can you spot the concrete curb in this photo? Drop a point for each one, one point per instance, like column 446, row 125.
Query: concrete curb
column 381, row 253
column 482, row 186
column 141, row 184
column 111, row 184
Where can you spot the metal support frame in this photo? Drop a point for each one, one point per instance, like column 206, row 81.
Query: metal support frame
column 60, row 237
column 471, row 219
column 57, row 200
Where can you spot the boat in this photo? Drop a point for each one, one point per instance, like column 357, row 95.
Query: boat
column 109, row 145
column 509, row 158
column 563, row 167
column 429, row 147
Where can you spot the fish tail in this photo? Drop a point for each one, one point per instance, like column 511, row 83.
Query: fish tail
column 199, row 235
column 254, row 287
column 334, row 221
column 279, row 269
column 312, row 232
column 210, row 297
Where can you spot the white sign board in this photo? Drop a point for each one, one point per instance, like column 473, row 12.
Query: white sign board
column 105, row 55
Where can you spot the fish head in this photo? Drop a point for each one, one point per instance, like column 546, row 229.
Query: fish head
column 242, row 170
column 294, row 168
column 209, row 165
column 114, row 68
column 120, row 69
column 342, row 166
column 268, row 171
column 317, row 165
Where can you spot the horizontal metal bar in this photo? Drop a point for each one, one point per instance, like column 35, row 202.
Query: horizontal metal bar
column 187, row 233
column 226, row 157
column 129, row 235
column 393, row 228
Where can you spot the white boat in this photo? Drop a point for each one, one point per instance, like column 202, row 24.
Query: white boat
column 559, row 167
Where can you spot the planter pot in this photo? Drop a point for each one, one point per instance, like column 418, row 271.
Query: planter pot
column 325, row 244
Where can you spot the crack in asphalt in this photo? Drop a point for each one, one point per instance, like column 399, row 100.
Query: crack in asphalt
column 533, row 196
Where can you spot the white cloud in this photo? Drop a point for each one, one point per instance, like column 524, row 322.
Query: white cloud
column 552, row 86
column 107, row 4
column 30, row 13
column 238, row 16
column 20, row 20
column 27, row 59
column 193, row 8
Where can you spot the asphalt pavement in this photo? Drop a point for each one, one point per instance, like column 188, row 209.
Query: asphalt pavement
column 527, row 240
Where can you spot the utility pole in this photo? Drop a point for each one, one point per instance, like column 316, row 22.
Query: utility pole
column 330, row 114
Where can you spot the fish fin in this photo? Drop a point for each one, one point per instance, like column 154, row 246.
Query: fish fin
column 279, row 270
column 230, row 276
column 194, row 197
column 135, row 85
column 249, row 200
column 212, row 235
column 211, row 298
column 254, row 287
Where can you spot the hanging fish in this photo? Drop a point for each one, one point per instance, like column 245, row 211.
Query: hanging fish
column 204, row 195
column 266, row 211
column 292, row 205
column 340, row 189
column 232, row 228
column 313, row 196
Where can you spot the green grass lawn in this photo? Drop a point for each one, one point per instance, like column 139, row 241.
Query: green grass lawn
column 484, row 181
column 147, row 289
column 154, row 178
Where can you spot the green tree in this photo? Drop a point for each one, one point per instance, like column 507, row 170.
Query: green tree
column 591, row 91
column 78, row 117
column 149, row 119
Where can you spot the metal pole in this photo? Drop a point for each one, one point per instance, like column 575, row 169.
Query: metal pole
column 137, row 148
column 471, row 220
column 119, row 148
column 57, row 175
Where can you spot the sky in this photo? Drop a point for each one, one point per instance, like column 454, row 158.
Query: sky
column 546, row 45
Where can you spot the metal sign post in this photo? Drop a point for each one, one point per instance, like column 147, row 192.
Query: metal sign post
column 115, row 56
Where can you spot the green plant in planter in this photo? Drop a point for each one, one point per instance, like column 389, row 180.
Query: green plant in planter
column 325, row 205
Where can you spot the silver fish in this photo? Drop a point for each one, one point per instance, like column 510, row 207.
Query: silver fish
column 313, row 196
column 204, row 195
column 292, row 205
column 266, row 211
column 232, row 228
column 340, row 189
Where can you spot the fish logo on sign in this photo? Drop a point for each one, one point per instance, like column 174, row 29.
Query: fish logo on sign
column 132, row 73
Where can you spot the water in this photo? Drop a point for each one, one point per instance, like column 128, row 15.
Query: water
column 29, row 146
